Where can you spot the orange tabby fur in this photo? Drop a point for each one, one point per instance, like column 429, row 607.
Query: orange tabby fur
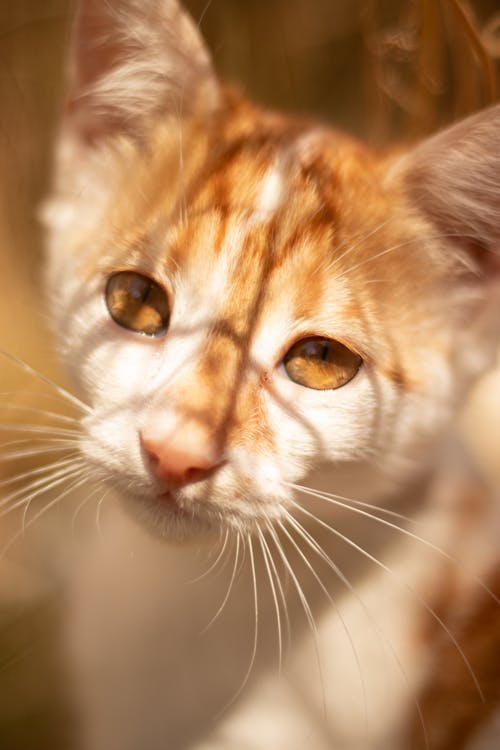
column 264, row 230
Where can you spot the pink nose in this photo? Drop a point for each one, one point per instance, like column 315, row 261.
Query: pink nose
column 185, row 455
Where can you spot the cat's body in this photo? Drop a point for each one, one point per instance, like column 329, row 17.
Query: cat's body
column 150, row 674
column 247, row 302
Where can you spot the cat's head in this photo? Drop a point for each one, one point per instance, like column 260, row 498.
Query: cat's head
column 243, row 296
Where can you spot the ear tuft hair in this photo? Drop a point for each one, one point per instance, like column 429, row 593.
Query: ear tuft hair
column 131, row 61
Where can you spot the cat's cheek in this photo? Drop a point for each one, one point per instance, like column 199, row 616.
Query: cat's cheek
column 266, row 473
column 111, row 448
column 123, row 369
column 107, row 362
column 321, row 424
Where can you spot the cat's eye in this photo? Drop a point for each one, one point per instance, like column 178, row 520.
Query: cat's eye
column 321, row 363
column 138, row 303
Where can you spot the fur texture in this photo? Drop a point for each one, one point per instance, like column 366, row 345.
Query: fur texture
column 262, row 231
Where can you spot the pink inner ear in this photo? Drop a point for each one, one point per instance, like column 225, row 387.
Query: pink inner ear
column 454, row 179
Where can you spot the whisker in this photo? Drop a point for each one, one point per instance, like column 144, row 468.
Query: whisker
column 203, row 13
column 280, row 589
column 255, row 624
column 387, row 250
column 38, row 429
column 407, row 586
column 182, row 184
column 57, row 388
column 53, row 445
column 256, row 613
column 40, row 487
column 229, row 588
column 306, row 537
column 41, row 412
column 378, row 631
column 39, row 470
column 71, row 488
column 274, row 597
column 359, row 241
column 305, row 606
column 79, row 508
column 241, row 564
column 216, row 561
column 68, row 463
column 332, row 496
column 39, row 396
column 446, row 555
column 98, row 512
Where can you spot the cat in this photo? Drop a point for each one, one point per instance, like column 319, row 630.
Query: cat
column 272, row 328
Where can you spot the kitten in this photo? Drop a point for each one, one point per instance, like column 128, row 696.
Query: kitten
column 272, row 328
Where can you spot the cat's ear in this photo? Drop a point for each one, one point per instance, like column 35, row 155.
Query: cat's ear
column 131, row 61
column 453, row 178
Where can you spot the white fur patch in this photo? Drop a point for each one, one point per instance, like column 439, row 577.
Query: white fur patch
column 272, row 192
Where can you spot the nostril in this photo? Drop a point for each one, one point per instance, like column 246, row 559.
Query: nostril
column 194, row 474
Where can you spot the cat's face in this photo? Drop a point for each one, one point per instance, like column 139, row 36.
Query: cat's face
column 242, row 297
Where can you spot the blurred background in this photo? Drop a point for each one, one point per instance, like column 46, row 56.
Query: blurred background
column 384, row 69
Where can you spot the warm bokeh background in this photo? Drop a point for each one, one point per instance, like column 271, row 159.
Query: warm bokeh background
column 383, row 69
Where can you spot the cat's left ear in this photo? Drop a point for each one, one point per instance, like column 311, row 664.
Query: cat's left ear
column 132, row 61
column 453, row 179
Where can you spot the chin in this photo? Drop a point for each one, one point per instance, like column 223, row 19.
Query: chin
column 167, row 519
column 173, row 517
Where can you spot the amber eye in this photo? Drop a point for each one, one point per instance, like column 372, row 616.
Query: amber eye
column 138, row 303
column 322, row 364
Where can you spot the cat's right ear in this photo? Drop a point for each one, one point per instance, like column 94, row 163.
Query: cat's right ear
column 453, row 179
column 132, row 61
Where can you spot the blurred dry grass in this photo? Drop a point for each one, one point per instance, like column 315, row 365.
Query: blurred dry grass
column 383, row 69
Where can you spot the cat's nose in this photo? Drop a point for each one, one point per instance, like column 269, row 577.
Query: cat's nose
column 186, row 454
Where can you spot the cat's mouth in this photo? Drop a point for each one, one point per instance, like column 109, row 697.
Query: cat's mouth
column 167, row 496
column 169, row 502
column 167, row 515
column 198, row 509
column 193, row 507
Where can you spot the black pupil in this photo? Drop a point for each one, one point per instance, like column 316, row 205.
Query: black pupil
column 145, row 292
